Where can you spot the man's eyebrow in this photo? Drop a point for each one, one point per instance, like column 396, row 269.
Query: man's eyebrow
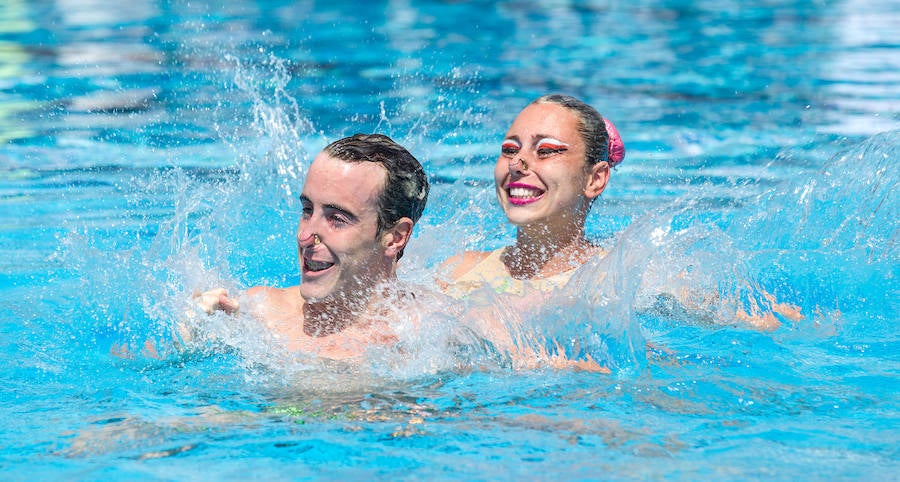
column 332, row 207
column 342, row 210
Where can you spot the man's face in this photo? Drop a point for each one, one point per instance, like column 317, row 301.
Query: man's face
column 340, row 251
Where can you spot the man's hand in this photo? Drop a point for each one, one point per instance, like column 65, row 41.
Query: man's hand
column 217, row 300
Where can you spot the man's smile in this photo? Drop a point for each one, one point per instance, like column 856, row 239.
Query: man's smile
column 313, row 266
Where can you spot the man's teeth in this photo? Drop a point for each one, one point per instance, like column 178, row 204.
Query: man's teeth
column 312, row 265
column 524, row 192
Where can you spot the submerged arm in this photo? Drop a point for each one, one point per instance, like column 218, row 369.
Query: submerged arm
column 498, row 322
column 745, row 308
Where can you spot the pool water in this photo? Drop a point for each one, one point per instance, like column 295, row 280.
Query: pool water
column 156, row 148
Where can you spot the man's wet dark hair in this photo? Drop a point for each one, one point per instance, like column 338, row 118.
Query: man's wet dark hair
column 405, row 190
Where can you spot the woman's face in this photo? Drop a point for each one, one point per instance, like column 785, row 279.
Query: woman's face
column 542, row 175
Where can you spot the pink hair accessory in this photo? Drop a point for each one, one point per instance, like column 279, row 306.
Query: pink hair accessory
column 616, row 146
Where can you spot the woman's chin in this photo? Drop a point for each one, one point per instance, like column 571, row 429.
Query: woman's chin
column 522, row 217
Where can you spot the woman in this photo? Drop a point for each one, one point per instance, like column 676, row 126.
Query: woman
column 555, row 161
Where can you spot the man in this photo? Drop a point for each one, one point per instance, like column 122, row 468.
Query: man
column 362, row 196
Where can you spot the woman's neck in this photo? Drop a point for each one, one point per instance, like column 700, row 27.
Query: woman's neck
column 539, row 253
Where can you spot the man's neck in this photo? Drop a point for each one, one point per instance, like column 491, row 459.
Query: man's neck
column 342, row 310
column 327, row 317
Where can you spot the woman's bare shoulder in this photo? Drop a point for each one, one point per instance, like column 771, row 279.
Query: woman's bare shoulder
column 460, row 264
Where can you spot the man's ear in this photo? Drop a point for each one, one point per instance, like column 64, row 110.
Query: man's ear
column 598, row 176
column 394, row 239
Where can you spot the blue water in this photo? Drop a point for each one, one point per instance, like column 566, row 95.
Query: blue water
column 149, row 149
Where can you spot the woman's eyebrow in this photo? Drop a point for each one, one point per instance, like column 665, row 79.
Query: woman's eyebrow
column 538, row 138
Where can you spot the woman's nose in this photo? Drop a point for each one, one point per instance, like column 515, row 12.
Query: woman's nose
column 517, row 165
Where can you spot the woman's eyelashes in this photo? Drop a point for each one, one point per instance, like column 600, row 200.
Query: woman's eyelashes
column 549, row 146
column 510, row 147
column 544, row 147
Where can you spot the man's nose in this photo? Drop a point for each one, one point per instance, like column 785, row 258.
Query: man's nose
column 307, row 235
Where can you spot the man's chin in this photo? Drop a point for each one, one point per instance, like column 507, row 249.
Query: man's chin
column 315, row 294
column 332, row 295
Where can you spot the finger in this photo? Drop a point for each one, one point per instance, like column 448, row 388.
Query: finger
column 228, row 305
column 212, row 292
column 209, row 302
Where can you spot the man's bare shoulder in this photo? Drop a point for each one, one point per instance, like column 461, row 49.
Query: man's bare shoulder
column 269, row 302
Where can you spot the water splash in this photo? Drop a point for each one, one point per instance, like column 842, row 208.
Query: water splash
column 134, row 288
column 832, row 236
column 824, row 242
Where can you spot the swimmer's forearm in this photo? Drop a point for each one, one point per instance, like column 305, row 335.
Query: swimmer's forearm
column 750, row 312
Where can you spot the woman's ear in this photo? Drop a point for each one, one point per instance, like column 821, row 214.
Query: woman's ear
column 394, row 239
column 598, row 176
